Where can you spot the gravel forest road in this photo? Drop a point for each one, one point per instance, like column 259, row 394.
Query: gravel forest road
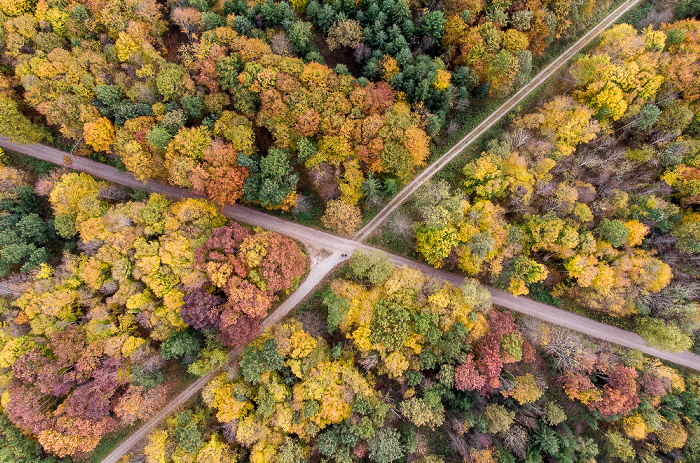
column 340, row 246
column 406, row 192
column 320, row 270
column 323, row 240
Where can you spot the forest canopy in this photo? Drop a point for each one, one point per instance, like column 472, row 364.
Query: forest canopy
column 588, row 200
column 393, row 365
column 86, row 339
column 235, row 101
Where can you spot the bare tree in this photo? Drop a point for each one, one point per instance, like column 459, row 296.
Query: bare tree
column 666, row 97
column 369, row 361
column 109, row 288
column 14, row 285
column 458, row 444
column 113, row 192
column 281, row 45
column 452, row 127
column 661, row 137
column 229, row 431
column 90, row 247
column 462, row 104
column 518, row 137
column 568, row 349
column 401, row 225
column 655, row 18
column 516, row 439
column 304, row 205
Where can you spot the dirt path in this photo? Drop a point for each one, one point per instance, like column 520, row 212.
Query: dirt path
column 322, row 240
column 406, row 192
column 556, row 316
column 320, row 270
column 339, row 246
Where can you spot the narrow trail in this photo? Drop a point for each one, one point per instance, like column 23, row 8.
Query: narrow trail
column 323, row 240
column 315, row 276
column 406, row 192
column 340, row 246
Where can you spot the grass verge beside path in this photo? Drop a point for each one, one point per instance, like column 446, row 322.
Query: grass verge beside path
column 178, row 377
column 109, row 443
column 452, row 173
column 35, row 167
column 313, row 279
column 543, row 76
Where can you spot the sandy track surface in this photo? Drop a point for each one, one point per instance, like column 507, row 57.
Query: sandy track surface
column 338, row 245
column 406, row 192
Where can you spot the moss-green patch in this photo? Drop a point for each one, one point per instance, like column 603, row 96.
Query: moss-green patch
column 35, row 167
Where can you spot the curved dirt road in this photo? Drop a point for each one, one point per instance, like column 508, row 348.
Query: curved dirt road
column 315, row 275
column 322, row 240
column 406, row 192
column 338, row 246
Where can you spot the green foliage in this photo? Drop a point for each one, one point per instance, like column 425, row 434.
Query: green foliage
column 674, row 118
column 362, row 405
column 187, row 432
column 663, row 335
column 126, row 110
column 305, row 149
column 613, row 231
column 159, row 137
column 228, row 69
column 371, row 190
column 300, row 35
column 688, row 235
column 16, row 447
column 170, row 82
column 513, row 344
column 366, row 428
column 146, row 379
column 108, row 95
column 192, row 105
column 181, row 344
column 272, row 179
column 25, row 236
column 498, row 418
column 546, row 440
column 209, row 359
column 292, row 451
column 16, row 126
column 174, row 120
column 692, row 447
column 373, row 266
column 258, row 359
column 337, row 309
column 419, row 413
column 553, row 414
column 390, row 324
column 385, row 446
column 414, row 378
column 65, row 226
column 446, row 375
column 433, row 24
column 617, row 445
column 648, row 116
column 330, row 445
column 211, row 20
